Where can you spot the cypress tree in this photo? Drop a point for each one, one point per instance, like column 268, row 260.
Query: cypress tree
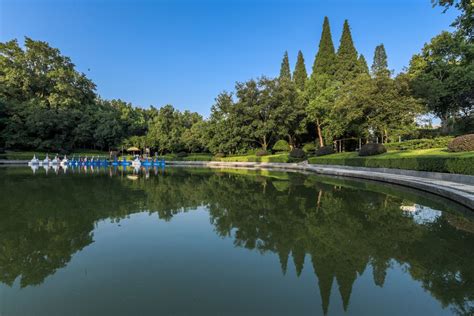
column 324, row 60
column 347, row 65
column 300, row 75
column 285, row 73
column 380, row 65
column 364, row 68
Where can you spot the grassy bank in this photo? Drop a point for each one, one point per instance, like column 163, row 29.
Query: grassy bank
column 284, row 157
column 437, row 160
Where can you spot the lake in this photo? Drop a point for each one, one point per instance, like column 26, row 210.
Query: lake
column 192, row 241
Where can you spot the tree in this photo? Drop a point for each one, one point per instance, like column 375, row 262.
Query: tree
column 325, row 58
column 347, row 66
column 285, row 73
column 442, row 75
column 300, row 75
column 379, row 65
column 465, row 21
column 363, row 65
column 319, row 102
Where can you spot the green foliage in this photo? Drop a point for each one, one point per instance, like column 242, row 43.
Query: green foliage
column 46, row 104
column 423, row 143
column 417, row 160
column 325, row 58
column 300, row 75
column 182, row 154
column 347, row 65
column 281, row 145
column 309, row 148
column 254, row 158
column 372, row 149
column 462, row 143
column 464, row 22
column 297, row 153
column 364, row 68
column 325, row 150
column 261, row 152
column 173, row 131
column 380, row 65
column 285, row 73
column 442, row 75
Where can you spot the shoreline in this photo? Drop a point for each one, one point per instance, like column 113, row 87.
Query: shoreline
column 455, row 187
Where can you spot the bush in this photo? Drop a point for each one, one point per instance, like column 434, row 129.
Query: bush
column 462, row 143
column 424, row 143
column 281, row 145
column 309, row 148
column 372, row 149
column 261, row 153
column 219, row 155
column 181, row 154
column 325, row 150
column 297, row 153
column 460, row 165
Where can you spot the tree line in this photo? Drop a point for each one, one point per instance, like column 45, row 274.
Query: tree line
column 46, row 104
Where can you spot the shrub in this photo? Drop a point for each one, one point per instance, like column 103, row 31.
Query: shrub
column 261, row 153
column 462, row 143
column 372, row 149
column 424, row 143
column 219, row 155
column 325, row 150
column 297, row 153
column 181, row 154
column 460, row 165
column 281, row 145
column 309, row 148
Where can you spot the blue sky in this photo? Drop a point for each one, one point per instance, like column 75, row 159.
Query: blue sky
column 185, row 52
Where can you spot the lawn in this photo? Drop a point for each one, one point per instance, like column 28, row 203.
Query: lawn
column 435, row 159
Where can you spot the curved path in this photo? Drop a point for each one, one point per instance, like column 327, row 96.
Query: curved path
column 459, row 188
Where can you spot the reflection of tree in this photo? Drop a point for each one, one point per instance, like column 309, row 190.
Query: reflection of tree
column 341, row 226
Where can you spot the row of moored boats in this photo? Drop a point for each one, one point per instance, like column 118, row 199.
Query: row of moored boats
column 95, row 161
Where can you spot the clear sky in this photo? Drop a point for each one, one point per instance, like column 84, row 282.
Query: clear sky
column 185, row 52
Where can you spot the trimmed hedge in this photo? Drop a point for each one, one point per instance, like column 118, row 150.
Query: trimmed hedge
column 424, row 143
column 297, row 153
column 372, row 149
column 461, row 165
column 261, row 153
column 281, row 145
column 254, row 158
column 325, row 150
column 462, row 143
column 309, row 148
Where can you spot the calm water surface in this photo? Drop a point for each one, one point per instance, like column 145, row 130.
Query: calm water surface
column 228, row 242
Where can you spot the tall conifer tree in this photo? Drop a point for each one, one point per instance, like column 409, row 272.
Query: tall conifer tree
column 300, row 75
column 364, row 68
column 347, row 65
column 380, row 65
column 324, row 60
column 285, row 73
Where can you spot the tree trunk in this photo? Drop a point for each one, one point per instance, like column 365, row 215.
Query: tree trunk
column 318, row 127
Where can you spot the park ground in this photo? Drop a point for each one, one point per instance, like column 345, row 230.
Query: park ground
column 434, row 159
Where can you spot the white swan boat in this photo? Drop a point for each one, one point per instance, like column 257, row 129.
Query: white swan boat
column 34, row 161
column 46, row 161
column 136, row 163
column 64, row 162
column 55, row 161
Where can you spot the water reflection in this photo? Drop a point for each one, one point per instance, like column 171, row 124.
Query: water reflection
column 342, row 226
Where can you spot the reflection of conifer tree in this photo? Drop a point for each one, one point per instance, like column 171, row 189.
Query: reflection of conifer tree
column 298, row 253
